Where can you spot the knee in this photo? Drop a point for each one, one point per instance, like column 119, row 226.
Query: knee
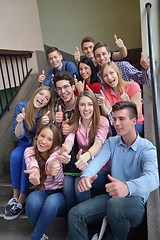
column 114, row 209
column 76, row 213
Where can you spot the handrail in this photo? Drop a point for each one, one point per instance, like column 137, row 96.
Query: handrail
column 154, row 83
column 13, row 72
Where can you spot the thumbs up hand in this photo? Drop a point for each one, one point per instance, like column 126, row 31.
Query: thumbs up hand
column 82, row 160
column 21, row 116
column 34, row 175
column 41, row 77
column 101, row 99
column 53, row 167
column 118, row 41
column 145, row 62
column 65, row 157
column 124, row 95
column 116, row 189
column 77, row 55
column 66, row 127
column 59, row 115
column 45, row 118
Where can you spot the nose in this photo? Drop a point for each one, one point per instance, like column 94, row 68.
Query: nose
column 62, row 90
column 109, row 76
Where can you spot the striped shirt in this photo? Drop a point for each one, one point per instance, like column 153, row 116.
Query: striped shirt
column 51, row 183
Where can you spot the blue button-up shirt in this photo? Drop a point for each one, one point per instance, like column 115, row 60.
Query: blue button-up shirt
column 135, row 165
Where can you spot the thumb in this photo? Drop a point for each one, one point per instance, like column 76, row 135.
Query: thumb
column 66, row 121
column 77, row 50
column 59, row 108
column 79, row 153
column 52, row 75
column 64, row 149
column 47, row 113
column 94, row 178
column 115, row 37
column 23, row 112
column 111, row 178
column 122, row 90
column 142, row 55
column 27, row 171
column 43, row 72
column 102, row 94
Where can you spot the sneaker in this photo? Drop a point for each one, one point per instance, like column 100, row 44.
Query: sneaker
column 44, row 237
column 14, row 211
column 10, row 204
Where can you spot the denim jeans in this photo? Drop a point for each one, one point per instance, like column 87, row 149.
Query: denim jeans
column 122, row 213
column 71, row 193
column 17, row 167
column 41, row 209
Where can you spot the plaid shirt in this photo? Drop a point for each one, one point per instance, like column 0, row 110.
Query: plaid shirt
column 67, row 113
column 130, row 73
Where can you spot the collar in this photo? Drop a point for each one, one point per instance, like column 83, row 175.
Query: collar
column 134, row 146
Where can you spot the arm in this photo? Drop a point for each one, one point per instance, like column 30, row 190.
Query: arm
column 104, row 104
column 72, row 69
column 48, row 80
column 123, row 50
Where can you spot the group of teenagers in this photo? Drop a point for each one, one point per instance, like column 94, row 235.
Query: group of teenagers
column 81, row 131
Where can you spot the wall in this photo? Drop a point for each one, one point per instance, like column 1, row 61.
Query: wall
column 64, row 24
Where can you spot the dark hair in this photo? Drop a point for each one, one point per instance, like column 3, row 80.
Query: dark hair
column 89, row 62
column 57, row 141
column 52, row 49
column 98, row 45
column 132, row 108
column 63, row 76
column 87, row 39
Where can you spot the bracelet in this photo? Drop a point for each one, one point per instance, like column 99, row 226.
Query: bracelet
column 91, row 155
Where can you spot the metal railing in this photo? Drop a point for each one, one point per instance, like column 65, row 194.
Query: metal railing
column 13, row 72
column 156, row 115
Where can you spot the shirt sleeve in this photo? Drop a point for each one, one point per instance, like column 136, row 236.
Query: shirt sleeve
column 72, row 69
column 30, row 159
column 133, row 89
column 71, row 138
column 149, row 180
column 103, row 129
column 48, row 80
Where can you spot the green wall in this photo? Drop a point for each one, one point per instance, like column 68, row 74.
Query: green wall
column 65, row 22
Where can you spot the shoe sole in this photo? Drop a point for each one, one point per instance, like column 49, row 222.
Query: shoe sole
column 13, row 217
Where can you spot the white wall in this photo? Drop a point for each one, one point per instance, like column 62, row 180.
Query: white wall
column 65, row 23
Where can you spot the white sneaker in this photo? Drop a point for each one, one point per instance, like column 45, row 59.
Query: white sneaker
column 10, row 204
column 44, row 237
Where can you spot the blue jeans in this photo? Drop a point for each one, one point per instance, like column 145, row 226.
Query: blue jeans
column 41, row 209
column 122, row 213
column 71, row 193
column 17, row 167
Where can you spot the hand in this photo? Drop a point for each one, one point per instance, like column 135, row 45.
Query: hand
column 85, row 183
column 89, row 89
column 45, row 118
column 65, row 127
column 124, row 95
column 77, row 55
column 34, row 175
column 64, row 157
column 118, row 41
column 53, row 167
column 59, row 115
column 21, row 116
column 101, row 99
column 82, row 160
column 116, row 189
column 41, row 77
column 145, row 62
column 79, row 85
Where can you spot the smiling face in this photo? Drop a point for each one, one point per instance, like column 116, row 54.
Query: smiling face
column 85, row 71
column 110, row 76
column 102, row 56
column 41, row 99
column 45, row 140
column 65, row 90
column 87, row 49
column 55, row 59
column 123, row 124
column 86, row 108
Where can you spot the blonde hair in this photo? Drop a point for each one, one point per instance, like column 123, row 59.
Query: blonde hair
column 74, row 121
column 30, row 119
column 121, row 82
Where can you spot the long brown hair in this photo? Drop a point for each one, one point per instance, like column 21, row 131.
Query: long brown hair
column 74, row 121
column 57, row 142
column 31, row 111
column 121, row 82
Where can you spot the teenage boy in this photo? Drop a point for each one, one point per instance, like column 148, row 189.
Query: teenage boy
column 128, row 72
column 87, row 45
column 55, row 59
column 134, row 174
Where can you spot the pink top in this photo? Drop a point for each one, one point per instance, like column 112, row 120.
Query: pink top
column 82, row 136
column 131, row 90
column 50, row 182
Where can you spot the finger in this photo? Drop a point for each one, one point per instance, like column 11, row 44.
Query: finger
column 47, row 113
column 59, row 108
column 79, row 153
column 77, row 50
column 43, row 72
column 94, row 178
column 66, row 121
column 28, row 171
column 102, row 94
column 23, row 111
column 111, row 178
column 115, row 37
column 142, row 55
column 122, row 90
column 52, row 75
column 89, row 89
